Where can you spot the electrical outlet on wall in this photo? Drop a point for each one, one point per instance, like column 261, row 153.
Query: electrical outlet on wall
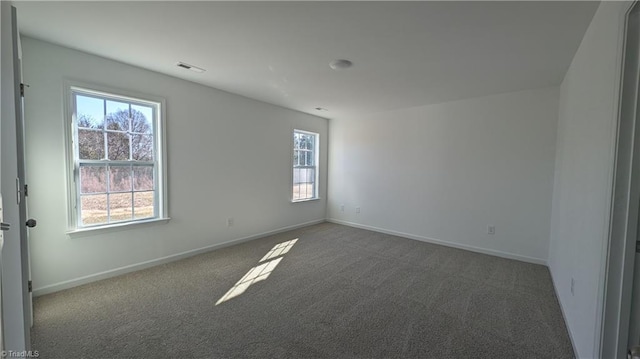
column 491, row 229
column 230, row 222
column 357, row 209
column 342, row 208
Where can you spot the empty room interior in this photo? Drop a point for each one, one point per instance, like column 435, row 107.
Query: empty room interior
column 317, row 179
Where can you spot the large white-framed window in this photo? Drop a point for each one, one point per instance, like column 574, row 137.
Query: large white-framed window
column 116, row 149
column 305, row 165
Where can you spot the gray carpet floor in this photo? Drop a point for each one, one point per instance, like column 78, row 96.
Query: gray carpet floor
column 337, row 292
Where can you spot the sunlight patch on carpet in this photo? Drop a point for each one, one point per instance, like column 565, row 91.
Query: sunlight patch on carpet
column 259, row 272
column 279, row 249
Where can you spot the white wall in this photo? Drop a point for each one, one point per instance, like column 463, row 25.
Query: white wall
column 583, row 176
column 228, row 156
column 444, row 172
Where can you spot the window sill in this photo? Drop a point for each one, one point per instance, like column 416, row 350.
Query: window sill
column 80, row 232
column 305, row 200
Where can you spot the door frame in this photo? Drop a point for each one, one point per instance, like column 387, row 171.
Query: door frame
column 625, row 210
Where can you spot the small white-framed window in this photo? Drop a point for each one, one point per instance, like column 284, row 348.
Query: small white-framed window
column 305, row 165
column 115, row 144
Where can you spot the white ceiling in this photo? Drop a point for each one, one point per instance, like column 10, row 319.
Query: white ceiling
column 404, row 53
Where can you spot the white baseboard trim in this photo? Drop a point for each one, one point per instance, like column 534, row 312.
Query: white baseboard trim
column 564, row 316
column 154, row 262
column 441, row 242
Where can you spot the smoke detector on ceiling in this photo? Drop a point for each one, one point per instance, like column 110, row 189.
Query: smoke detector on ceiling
column 340, row 64
column 190, row 67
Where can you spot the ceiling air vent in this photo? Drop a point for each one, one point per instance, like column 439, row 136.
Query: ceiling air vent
column 190, row 67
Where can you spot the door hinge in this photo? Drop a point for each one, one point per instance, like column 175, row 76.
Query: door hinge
column 18, row 191
column 22, row 86
column 30, row 286
column 26, row 190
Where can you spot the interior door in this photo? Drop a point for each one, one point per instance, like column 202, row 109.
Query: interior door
column 21, row 174
column 21, row 180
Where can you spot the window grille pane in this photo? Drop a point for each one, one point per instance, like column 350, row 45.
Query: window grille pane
column 143, row 178
column 296, row 176
column 93, row 179
column 89, row 112
column 117, row 116
column 118, row 146
column 142, row 147
column 310, row 140
column 296, row 140
column 143, row 204
column 119, row 178
column 296, row 191
column 312, row 175
column 141, row 117
column 307, row 175
column 120, row 206
column 90, row 144
column 93, row 209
